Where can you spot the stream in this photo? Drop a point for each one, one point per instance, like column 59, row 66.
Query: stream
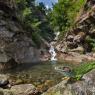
column 41, row 75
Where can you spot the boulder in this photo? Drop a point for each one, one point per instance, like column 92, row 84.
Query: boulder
column 70, row 38
column 59, row 89
column 24, row 89
column 3, row 80
column 85, row 87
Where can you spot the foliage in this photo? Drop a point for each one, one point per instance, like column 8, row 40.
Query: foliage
column 34, row 19
column 83, row 69
column 64, row 14
column 91, row 41
column 45, row 21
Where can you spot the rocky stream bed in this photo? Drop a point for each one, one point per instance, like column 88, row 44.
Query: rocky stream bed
column 43, row 79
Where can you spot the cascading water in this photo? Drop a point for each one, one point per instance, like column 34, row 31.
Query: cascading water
column 52, row 49
column 53, row 53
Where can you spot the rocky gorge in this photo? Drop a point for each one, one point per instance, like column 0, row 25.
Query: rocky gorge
column 18, row 48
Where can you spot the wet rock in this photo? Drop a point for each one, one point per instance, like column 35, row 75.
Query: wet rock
column 24, row 89
column 3, row 81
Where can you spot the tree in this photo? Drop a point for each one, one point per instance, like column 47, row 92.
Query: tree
column 64, row 14
column 34, row 18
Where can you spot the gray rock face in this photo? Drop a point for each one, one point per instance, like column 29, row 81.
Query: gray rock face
column 87, row 86
column 83, row 28
column 14, row 42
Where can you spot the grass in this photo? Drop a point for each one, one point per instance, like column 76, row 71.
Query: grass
column 83, row 69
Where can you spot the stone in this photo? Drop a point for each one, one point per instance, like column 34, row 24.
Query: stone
column 59, row 89
column 13, row 27
column 6, row 92
column 74, row 56
column 3, row 80
column 4, row 33
column 86, row 86
column 23, row 89
column 2, row 22
column 79, row 49
column 72, row 45
column 70, row 38
column 4, row 58
column 89, row 77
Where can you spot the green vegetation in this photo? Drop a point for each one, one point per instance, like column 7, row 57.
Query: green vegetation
column 83, row 69
column 64, row 14
column 35, row 20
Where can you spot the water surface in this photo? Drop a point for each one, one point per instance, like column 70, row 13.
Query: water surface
column 40, row 74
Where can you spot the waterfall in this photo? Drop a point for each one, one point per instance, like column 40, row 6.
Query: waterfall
column 53, row 53
column 52, row 49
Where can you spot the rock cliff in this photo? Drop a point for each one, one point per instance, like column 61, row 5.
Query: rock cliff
column 15, row 45
column 78, row 45
column 83, row 32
